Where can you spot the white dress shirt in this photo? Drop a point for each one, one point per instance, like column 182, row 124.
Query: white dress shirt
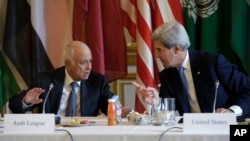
column 65, row 96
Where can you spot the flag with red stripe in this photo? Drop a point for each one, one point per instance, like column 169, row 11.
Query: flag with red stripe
column 37, row 31
column 99, row 24
column 144, row 17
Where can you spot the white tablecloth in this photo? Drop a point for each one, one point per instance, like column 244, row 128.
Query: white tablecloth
column 121, row 132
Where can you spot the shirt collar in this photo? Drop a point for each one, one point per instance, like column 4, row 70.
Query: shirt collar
column 186, row 62
column 68, row 80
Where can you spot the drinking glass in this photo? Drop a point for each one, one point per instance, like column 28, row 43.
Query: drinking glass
column 164, row 114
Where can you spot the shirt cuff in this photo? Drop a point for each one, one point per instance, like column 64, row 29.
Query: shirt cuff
column 237, row 110
column 25, row 106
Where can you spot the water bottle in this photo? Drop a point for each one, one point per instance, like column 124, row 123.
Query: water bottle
column 118, row 108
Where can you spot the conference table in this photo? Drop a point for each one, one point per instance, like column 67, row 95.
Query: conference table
column 124, row 131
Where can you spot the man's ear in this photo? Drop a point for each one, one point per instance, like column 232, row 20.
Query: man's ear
column 67, row 62
column 177, row 48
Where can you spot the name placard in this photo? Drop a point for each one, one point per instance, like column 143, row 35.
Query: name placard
column 29, row 123
column 208, row 122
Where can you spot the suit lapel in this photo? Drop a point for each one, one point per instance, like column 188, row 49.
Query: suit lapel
column 183, row 95
column 83, row 97
column 196, row 69
column 177, row 89
column 56, row 92
column 197, row 73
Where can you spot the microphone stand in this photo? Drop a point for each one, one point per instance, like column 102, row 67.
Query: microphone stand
column 51, row 85
column 215, row 95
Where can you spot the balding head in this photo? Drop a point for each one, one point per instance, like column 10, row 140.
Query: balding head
column 73, row 47
column 78, row 60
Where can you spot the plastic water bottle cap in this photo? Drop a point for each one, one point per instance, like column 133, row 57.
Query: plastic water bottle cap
column 116, row 97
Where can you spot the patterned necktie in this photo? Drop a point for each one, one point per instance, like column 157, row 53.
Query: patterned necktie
column 71, row 108
column 185, row 99
column 183, row 77
column 192, row 103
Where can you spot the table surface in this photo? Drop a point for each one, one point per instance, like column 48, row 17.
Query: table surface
column 100, row 131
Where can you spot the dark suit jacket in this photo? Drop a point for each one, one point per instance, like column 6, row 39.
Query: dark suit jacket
column 207, row 68
column 94, row 93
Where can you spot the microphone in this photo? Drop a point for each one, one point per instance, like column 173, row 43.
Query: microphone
column 217, row 83
column 51, row 85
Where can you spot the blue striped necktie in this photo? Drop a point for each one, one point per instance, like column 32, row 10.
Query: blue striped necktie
column 185, row 99
column 71, row 108
column 183, row 77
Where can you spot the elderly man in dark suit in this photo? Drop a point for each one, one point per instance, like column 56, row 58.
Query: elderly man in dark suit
column 92, row 89
column 204, row 74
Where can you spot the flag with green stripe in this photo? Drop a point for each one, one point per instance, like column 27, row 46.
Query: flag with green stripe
column 221, row 26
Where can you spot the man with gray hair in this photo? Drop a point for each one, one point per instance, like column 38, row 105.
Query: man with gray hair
column 91, row 89
column 205, row 78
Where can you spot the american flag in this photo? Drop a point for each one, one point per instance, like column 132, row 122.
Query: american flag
column 140, row 18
